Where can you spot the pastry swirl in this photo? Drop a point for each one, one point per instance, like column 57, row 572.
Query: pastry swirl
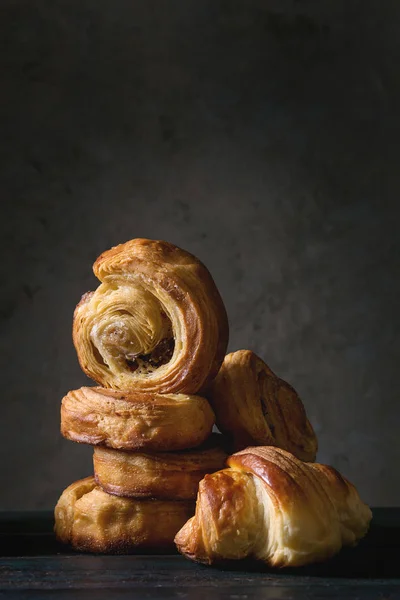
column 155, row 324
column 91, row 520
column 255, row 407
column 272, row 507
column 162, row 475
column 136, row 421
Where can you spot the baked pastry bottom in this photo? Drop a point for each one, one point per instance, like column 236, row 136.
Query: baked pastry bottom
column 91, row 520
column 162, row 475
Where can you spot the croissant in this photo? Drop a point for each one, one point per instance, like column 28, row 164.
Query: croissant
column 272, row 507
column 93, row 521
column 155, row 422
column 155, row 324
column 254, row 407
column 158, row 475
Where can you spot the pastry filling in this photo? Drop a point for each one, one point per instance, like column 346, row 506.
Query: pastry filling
column 147, row 363
column 97, row 355
column 137, row 341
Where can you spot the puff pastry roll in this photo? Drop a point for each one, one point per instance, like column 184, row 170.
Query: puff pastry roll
column 155, row 324
column 155, row 422
column 275, row 508
column 159, row 475
column 93, row 521
column 254, row 407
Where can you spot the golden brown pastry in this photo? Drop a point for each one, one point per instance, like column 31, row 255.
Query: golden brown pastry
column 155, row 324
column 158, row 475
column 94, row 521
column 155, row 422
column 272, row 507
column 254, row 407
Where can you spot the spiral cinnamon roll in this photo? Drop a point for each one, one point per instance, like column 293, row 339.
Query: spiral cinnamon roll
column 151, row 422
column 162, row 475
column 91, row 520
column 254, row 407
column 155, row 324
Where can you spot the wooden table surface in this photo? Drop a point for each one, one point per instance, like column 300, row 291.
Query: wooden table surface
column 34, row 565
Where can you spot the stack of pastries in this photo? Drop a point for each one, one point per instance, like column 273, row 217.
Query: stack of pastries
column 153, row 336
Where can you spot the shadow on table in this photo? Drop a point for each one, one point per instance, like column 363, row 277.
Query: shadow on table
column 376, row 556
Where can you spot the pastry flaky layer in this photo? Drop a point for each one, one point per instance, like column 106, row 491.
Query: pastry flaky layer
column 254, row 407
column 156, row 323
column 154, row 422
column 158, row 475
column 93, row 521
column 272, row 507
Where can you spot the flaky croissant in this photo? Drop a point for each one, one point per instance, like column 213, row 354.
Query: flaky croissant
column 155, row 324
column 272, row 507
column 254, row 407
column 94, row 521
column 135, row 421
column 162, row 475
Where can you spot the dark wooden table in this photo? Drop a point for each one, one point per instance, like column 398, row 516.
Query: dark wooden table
column 34, row 565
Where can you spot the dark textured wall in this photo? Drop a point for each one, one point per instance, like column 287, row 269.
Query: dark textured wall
column 261, row 136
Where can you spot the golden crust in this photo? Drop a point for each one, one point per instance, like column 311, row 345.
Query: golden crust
column 275, row 508
column 163, row 475
column 93, row 521
column 154, row 422
column 254, row 407
column 155, row 324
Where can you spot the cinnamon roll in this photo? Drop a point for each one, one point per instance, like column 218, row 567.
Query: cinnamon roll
column 254, row 407
column 135, row 421
column 156, row 323
column 91, row 520
column 163, row 475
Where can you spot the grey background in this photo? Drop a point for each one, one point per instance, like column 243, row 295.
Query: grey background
column 261, row 136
